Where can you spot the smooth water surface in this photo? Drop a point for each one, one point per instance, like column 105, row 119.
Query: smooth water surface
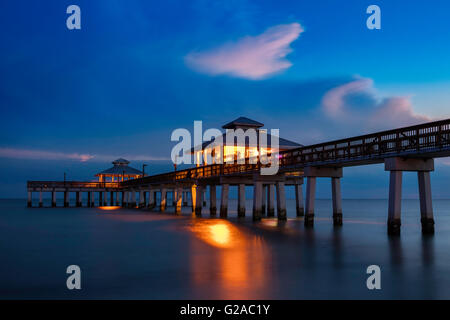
column 137, row 254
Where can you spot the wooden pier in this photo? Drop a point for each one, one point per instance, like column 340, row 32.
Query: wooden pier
column 410, row 148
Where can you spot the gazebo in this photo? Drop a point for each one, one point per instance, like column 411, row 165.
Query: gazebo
column 119, row 172
column 231, row 151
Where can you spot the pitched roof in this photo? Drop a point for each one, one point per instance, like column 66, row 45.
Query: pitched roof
column 283, row 144
column 121, row 161
column 243, row 122
column 120, row 167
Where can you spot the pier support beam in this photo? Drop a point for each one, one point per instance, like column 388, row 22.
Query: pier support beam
column 40, row 199
column 178, row 200
column 264, row 199
column 241, row 200
column 92, row 198
column 105, row 198
column 78, row 199
column 426, row 208
column 395, row 202
column 396, row 166
column 89, row 201
column 337, row 201
column 174, row 197
column 198, row 200
column 141, row 199
column 133, row 198
column 66, row 198
column 299, row 200
column 111, row 198
column 212, row 200
column 271, row 200
column 310, row 199
column 163, row 204
column 281, row 201
column 151, row 199
column 185, row 198
column 257, row 200
column 124, row 198
column 116, row 202
column 193, row 198
column 53, row 198
column 29, row 199
column 204, row 196
column 224, row 201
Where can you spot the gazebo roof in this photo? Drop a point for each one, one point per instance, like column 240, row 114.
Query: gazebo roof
column 242, row 122
column 120, row 168
column 121, row 161
column 283, row 144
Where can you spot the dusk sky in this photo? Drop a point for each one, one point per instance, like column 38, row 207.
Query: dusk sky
column 74, row 100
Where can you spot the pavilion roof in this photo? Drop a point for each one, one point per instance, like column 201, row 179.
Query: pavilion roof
column 242, row 122
column 283, row 144
column 120, row 168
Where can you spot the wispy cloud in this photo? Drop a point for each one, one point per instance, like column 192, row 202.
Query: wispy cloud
column 41, row 154
column 369, row 110
column 251, row 57
column 15, row 153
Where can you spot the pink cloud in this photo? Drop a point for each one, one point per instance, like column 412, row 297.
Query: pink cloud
column 396, row 111
column 381, row 113
column 333, row 101
column 252, row 57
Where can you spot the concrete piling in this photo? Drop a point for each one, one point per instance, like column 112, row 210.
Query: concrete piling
column 300, row 210
column 53, row 198
column 241, row 200
column 426, row 208
column 40, row 200
column 337, row 201
column 257, row 200
column 212, row 200
column 66, row 198
column 281, row 201
column 163, row 204
column 224, row 201
column 310, row 199
column 271, row 200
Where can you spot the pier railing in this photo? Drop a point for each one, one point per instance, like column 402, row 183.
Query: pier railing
column 415, row 140
column 71, row 184
column 208, row 171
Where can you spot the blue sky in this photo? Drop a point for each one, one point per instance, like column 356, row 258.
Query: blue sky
column 137, row 70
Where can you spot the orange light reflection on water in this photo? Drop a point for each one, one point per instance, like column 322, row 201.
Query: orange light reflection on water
column 239, row 261
column 217, row 233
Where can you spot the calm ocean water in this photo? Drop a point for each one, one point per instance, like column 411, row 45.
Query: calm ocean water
column 136, row 254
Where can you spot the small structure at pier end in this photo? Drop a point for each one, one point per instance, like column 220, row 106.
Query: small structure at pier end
column 119, row 172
